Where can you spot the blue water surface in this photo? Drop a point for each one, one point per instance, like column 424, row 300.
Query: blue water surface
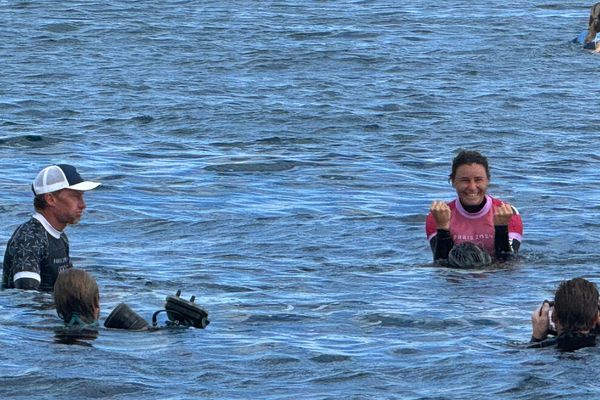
column 276, row 159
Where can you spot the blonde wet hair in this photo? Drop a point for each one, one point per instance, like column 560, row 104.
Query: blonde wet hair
column 76, row 292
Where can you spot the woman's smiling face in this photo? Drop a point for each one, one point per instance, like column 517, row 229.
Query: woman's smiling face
column 471, row 183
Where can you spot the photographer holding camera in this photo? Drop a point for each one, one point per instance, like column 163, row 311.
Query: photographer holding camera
column 574, row 314
column 77, row 301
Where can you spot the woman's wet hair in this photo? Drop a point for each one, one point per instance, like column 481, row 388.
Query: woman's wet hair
column 76, row 292
column 469, row 157
column 593, row 23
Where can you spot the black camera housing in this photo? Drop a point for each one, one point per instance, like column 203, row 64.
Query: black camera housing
column 186, row 313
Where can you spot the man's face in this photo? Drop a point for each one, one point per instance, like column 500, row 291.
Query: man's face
column 68, row 206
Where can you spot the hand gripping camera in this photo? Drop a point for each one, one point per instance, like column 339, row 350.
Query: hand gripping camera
column 182, row 312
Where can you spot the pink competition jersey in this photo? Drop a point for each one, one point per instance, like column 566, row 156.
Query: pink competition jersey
column 476, row 227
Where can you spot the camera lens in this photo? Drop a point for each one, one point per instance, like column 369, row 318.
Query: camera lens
column 123, row 317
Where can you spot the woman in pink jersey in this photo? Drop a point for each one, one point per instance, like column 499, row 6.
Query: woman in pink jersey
column 474, row 216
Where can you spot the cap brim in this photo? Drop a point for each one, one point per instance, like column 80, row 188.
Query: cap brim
column 83, row 186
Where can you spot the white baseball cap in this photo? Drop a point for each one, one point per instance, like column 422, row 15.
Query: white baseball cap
column 61, row 176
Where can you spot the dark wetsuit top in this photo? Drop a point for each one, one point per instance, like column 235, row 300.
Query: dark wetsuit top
column 35, row 253
column 567, row 341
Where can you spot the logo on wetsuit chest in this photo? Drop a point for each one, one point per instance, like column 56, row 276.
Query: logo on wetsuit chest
column 473, row 238
column 60, row 262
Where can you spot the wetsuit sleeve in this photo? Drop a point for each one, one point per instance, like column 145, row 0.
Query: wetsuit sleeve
column 27, row 249
column 507, row 238
column 440, row 240
column 441, row 244
column 515, row 226
column 537, row 344
column 502, row 245
column 27, row 284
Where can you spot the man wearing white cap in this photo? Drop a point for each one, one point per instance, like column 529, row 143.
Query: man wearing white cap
column 39, row 249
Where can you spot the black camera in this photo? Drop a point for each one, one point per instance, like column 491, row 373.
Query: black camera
column 182, row 312
column 123, row 317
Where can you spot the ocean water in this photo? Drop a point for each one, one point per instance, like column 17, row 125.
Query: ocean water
column 277, row 159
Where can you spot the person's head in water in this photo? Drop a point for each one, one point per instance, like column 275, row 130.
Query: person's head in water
column 470, row 177
column 593, row 23
column 574, row 313
column 468, row 255
column 76, row 297
column 575, row 306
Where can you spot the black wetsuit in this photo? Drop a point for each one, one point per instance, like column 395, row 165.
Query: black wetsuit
column 567, row 341
column 34, row 257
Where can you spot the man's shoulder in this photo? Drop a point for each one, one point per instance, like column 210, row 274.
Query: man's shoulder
column 29, row 230
column 32, row 224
